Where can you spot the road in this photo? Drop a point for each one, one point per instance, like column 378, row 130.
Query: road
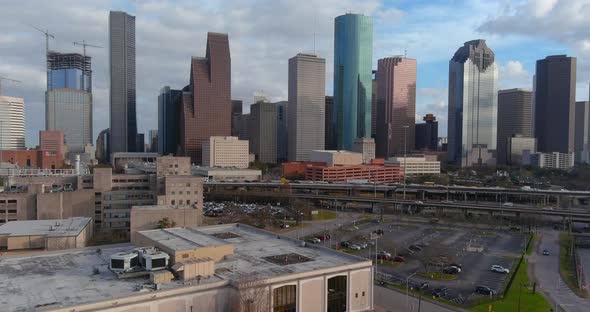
column 546, row 273
column 389, row 300
column 313, row 227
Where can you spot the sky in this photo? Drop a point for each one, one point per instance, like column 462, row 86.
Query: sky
column 264, row 34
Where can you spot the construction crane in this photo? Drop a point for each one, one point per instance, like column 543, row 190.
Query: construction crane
column 7, row 79
column 84, row 45
column 47, row 36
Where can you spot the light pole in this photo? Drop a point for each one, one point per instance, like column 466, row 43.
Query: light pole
column 408, row 289
column 405, row 155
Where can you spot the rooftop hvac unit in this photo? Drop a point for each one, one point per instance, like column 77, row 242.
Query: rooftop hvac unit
column 151, row 259
column 124, row 262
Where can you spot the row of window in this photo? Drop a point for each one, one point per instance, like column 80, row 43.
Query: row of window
column 9, row 211
column 187, row 192
column 180, row 202
column 129, row 180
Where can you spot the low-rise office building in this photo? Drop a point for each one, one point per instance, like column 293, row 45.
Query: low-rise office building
column 370, row 173
column 225, row 152
column 337, row 158
column 365, row 146
column 46, row 234
column 553, row 160
column 416, row 165
column 230, row 267
column 227, row 174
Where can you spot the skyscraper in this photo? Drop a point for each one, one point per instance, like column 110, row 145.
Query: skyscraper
column 263, row 135
column 353, row 53
column 169, row 106
column 282, row 131
column 515, row 117
column 208, row 112
column 68, row 100
column 329, row 124
column 427, row 134
column 582, row 133
column 12, row 123
column 123, row 123
column 307, row 76
column 396, row 106
column 140, row 143
column 236, row 112
column 555, row 99
column 153, row 140
column 102, row 147
column 473, row 105
column 374, row 105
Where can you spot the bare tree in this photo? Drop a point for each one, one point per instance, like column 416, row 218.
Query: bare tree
column 433, row 256
column 252, row 293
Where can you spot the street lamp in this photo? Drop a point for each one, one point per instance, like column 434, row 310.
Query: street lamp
column 405, row 155
column 408, row 289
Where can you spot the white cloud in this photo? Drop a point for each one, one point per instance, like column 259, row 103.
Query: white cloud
column 512, row 74
column 541, row 8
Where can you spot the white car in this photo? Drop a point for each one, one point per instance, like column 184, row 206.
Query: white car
column 500, row 269
column 363, row 245
column 508, row 204
column 314, row 240
column 355, row 247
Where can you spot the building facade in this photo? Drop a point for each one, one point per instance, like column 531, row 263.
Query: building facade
column 307, row 88
column 68, row 100
column 207, row 111
column 12, row 123
column 555, row 160
column 263, row 136
column 236, row 112
column 103, row 154
column 329, row 123
column 225, row 152
column 515, row 117
column 473, row 105
column 52, row 141
column 123, row 121
column 396, row 105
column 169, row 106
column 427, row 134
column 366, row 147
column 555, row 100
column 518, row 148
column 582, row 132
column 369, row 173
column 153, row 140
column 337, row 158
column 282, row 131
column 416, row 165
column 353, row 57
column 140, row 143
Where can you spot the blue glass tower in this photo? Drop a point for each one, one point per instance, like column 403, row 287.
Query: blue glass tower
column 353, row 53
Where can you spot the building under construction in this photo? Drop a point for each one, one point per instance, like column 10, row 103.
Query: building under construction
column 69, row 71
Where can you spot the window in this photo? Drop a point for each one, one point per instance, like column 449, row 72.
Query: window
column 188, row 184
column 173, row 202
column 285, row 299
column 363, row 293
column 337, row 294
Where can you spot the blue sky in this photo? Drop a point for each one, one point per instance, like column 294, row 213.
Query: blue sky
column 264, row 34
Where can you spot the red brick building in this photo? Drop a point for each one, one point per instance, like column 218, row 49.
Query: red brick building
column 52, row 141
column 298, row 168
column 206, row 111
column 372, row 173
column 41, row 159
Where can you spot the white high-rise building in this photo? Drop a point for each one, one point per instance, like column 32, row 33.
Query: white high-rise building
column 12, row 123
column 225, row 152
column 307, row 108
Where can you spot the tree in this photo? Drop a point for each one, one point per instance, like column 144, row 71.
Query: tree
column 166, row 223
column 252, row 293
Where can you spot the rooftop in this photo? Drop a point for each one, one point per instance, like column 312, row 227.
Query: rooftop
column 62, row 227
column 183, row 238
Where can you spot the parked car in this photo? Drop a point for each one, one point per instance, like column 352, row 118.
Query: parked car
column 384, row 253
column 484, row 290
column 383, row 257
column 323, row 237
column 314, row 240
column 500, row 269
column 415, row 248
column 420, row 286
column 545, row 252
column 452, row 270
column 345, row 244
column 363, row 245
column 399, row 259
column 378, row 232
column 355, row 247
column 439, row 292
column 284, row 226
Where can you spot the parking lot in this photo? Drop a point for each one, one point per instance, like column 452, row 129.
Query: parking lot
column 429, row 248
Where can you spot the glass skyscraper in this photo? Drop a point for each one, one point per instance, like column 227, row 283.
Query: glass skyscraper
column 473, row 105
column 123, row 126
column 68, row 100
column 353, row 52
column 169, row 106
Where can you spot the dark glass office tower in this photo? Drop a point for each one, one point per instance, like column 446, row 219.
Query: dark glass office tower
column 473, row 105
column 427, row 134
column 169, row 105
column 555, row 100
column 123, row 125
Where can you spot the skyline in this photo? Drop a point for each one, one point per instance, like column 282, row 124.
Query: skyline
column 261, row 47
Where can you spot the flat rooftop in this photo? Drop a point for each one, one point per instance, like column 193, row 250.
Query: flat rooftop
column 72, row 279
column 53, row 228
column 183, row 238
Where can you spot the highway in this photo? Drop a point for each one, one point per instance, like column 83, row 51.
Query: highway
column 576, row 215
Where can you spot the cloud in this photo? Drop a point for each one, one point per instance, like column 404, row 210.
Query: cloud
column 512, row 74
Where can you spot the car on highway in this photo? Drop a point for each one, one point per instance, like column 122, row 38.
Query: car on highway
column 484, row 290
column 508, row 204
column 355, row 247
column 545, row 252
column 499, row 269
column 419, row 202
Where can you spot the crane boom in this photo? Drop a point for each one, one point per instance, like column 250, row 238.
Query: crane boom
column 7, row 79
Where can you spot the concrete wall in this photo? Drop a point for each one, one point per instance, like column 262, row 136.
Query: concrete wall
column 217, row 253
column 26, row 242
column 65, row 205
column 147, row 218
column 23, row 203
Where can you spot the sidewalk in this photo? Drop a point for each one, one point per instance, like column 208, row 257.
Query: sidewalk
column 392, row 300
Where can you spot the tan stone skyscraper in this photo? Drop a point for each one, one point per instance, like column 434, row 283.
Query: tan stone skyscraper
column 306, row 110
column 207, row 112
column 396, row 106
